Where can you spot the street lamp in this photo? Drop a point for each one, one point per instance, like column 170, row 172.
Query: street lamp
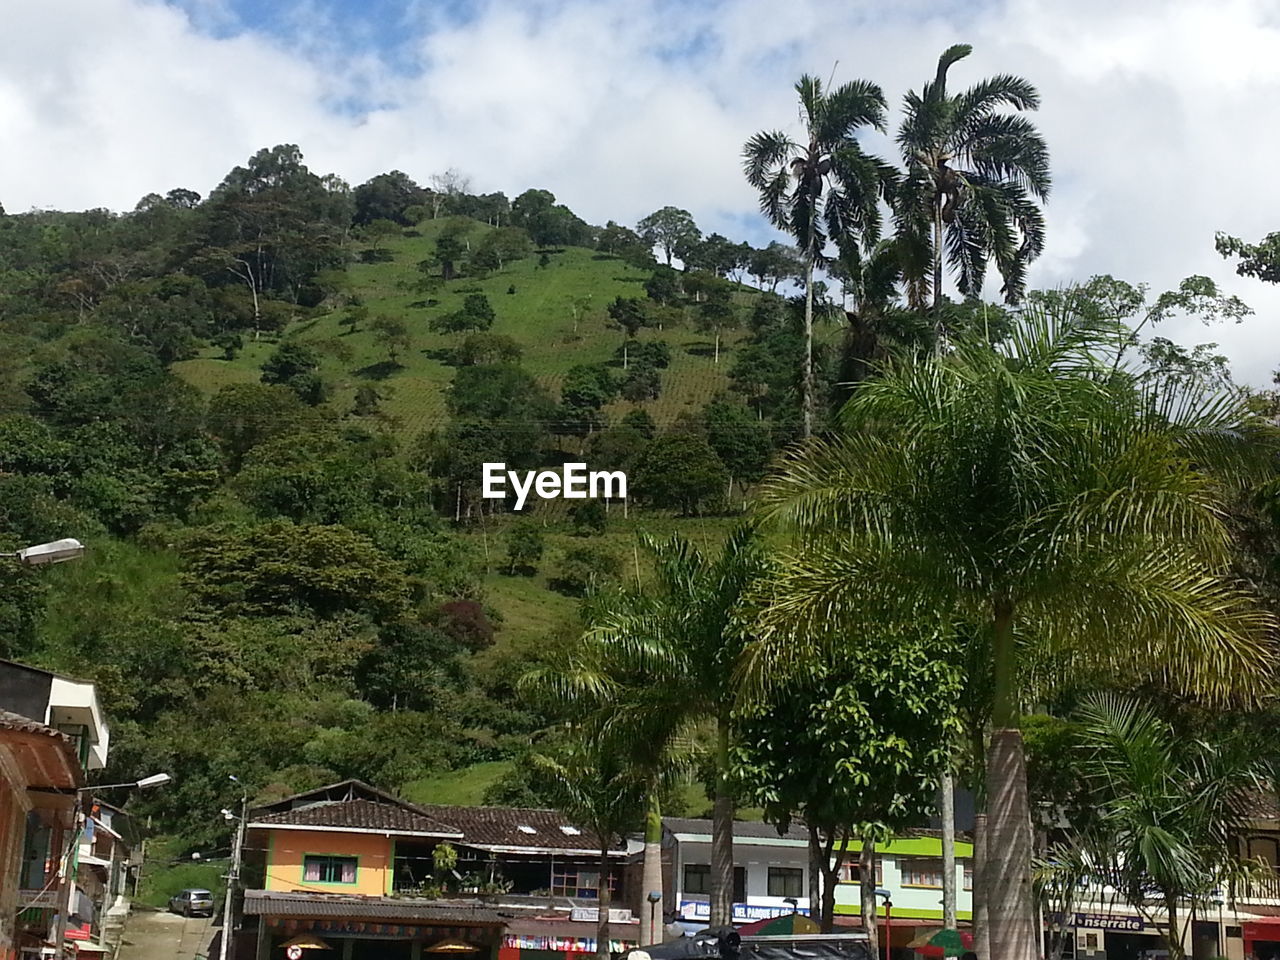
column 654, row 897
column 883, row 894
column 234, row 876
column 1219, row 901
column 68, row 883
column 59, row 551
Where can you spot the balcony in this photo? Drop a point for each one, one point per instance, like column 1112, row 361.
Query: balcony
column 1258, row 890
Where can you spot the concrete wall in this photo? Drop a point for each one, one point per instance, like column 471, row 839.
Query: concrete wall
column 287, row 848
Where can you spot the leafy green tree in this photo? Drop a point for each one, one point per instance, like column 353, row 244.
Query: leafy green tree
column 663, row 286
column 1168, row 810
column 670, row 228
column 589, row 518
column 366, row 400
column 854, row 746
column 617, row 448
column 586, row 567
column 230, row 344
column 243, row 415
column 973, row 175
column 774, row 264
column 641, row 383
column 682, row 471
column 449, row 251
column 739, row 439
column 294, row 364
column 525, row 546
column 628, row 313
column 640, row 421
column 388, row 196
column 1068, row 511
column 392, row 334
column 825, row 188
column 272, row 567
column 480, row 349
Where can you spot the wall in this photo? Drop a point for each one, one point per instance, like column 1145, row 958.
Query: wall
column 756, row 858
column 286, row 849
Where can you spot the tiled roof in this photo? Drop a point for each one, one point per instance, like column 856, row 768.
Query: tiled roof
column 1263, row 805
column 747, row 829
column 360, row 814
column 502, row 827
column 272, row 904
column 21, row 724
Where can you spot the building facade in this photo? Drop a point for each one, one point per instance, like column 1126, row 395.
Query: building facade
column 771, row 877
column 370, row 875
column 51, row 733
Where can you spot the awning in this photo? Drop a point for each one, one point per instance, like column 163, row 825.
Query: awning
column 267, row 903
column 89, row 947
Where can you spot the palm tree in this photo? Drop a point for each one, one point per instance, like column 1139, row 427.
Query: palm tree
column 973, row 174
column 1166, row 811
column 825, row 188
column 657, row 665
column 1071, row 511
column 595, row 788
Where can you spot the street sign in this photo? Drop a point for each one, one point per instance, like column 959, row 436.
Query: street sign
column 294, row 952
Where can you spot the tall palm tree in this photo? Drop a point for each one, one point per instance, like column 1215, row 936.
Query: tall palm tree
column 973, row 174
column 594, row 787
column 823, row 188
column 658, row 661
column 1026, row 488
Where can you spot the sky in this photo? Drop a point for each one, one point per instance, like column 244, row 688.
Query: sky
column 1160, row 116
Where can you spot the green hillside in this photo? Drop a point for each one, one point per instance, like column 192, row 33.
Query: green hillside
column 538, row 315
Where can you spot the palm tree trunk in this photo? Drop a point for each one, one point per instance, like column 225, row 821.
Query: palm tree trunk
column 651, row 926
column 603, row 899
column 867, row 874
column 806, row 399
column 981, row 928
column 1008, row 870
column 722, row 835
column 937, row 271
column 948, row 849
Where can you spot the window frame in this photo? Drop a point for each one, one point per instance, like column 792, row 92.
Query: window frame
column 851, row 871
column 566, row 870
column 905, row 862
column 332, row 857
column 785, row 876
column 703, row 871
column 739, row 881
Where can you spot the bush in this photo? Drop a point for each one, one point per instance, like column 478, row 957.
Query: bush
column 584, row 569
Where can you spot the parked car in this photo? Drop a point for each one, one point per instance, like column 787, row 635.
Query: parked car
column 192, row 903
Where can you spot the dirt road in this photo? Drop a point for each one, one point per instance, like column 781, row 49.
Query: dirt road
column 166, row 936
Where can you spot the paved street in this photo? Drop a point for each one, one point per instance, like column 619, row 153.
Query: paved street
column 166, row 936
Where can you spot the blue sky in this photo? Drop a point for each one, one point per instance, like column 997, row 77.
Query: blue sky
column 1151, row 107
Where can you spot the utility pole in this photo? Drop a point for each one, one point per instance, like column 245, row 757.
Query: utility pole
column 233, row 877
column 67, row 879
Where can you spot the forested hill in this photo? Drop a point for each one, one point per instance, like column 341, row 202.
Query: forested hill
column 265, row 412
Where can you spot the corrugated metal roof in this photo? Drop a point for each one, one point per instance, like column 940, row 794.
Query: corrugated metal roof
column 268, row 903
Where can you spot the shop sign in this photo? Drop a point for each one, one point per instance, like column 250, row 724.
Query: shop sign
column 742, row 912
column 1103, row 921
column 563, row 944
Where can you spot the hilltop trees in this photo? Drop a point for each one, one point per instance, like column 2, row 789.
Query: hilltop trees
column 671, row 229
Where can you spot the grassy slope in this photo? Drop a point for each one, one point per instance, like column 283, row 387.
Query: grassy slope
column 539, row 317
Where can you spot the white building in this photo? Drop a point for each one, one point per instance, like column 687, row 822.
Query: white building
column 771, row 876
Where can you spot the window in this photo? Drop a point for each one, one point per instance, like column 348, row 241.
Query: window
column 786, row 882
column 968, row 874
column 851, row 872
column 571, row 880
column 570, row 831
column 921, row 872
column 697, row 878
column 525, row 828
column 697, row 881
column 329, row 869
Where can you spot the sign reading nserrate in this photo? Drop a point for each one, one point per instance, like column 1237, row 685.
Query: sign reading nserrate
column 572, row 482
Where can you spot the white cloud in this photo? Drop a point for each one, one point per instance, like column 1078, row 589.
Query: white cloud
column 1155, row 112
